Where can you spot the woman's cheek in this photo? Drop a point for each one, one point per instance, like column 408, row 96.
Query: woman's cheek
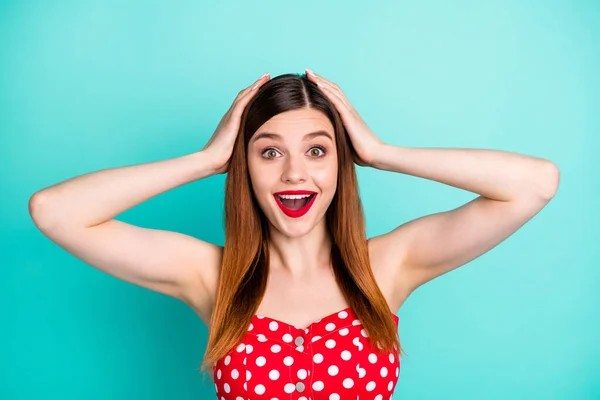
column 326, row 175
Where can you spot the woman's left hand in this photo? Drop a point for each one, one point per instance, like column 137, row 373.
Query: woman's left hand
column 364, row 141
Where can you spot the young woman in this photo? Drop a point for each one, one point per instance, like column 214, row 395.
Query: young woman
column 298, row 302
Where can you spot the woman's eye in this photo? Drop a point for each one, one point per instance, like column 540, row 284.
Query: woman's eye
column 319, row 149
column 270, row 152
column 316, row 151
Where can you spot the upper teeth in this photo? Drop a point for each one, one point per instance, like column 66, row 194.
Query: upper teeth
column 294, row 196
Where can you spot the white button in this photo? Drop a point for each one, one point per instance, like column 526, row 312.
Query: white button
column 299, row 341
column 300, row 387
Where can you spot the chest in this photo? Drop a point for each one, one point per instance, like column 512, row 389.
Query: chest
column 301, row 302
column 328, row 358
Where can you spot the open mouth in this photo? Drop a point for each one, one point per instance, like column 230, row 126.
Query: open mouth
column 295, row 206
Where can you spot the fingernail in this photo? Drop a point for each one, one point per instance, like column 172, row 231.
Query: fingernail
column 310, row 71
column 265, row 74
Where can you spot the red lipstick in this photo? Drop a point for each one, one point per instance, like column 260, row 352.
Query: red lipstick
column 295, row 213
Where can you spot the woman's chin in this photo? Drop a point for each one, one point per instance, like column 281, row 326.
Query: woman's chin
column 296, row 228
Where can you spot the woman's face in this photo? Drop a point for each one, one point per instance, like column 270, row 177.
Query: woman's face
column 289, row 158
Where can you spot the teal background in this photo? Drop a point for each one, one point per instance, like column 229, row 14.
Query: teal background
column 91, row 85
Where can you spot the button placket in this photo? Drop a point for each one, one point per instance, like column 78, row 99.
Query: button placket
column 299, row 341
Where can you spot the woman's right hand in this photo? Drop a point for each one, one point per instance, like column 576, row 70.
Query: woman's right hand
column 220, row 145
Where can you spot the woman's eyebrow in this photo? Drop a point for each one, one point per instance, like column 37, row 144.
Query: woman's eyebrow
column 275, row 136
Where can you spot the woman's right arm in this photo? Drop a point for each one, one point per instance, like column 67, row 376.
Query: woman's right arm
column 77, row 215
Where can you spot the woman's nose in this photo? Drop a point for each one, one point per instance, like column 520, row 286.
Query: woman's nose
column 294, row 170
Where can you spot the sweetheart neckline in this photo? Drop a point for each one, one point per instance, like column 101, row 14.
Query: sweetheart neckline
column 313, row 322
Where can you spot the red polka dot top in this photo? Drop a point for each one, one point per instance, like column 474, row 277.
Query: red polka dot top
column 331, row 359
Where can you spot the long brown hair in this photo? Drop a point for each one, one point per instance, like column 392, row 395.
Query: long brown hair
column 245, row 269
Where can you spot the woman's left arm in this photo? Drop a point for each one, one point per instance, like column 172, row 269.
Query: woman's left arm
column 495, row 174
column 512, row 187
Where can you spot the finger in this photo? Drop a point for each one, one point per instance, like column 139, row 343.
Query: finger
column 336, row 100
column 265, row 77
column 319, row 80
column 324, row 81
column 242, row 100
column 342, row 98
column 243, row 94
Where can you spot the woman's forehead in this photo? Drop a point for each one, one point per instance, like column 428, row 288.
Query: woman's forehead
column 297, row 123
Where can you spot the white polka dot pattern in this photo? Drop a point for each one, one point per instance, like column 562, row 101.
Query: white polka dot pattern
column 333, row 358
